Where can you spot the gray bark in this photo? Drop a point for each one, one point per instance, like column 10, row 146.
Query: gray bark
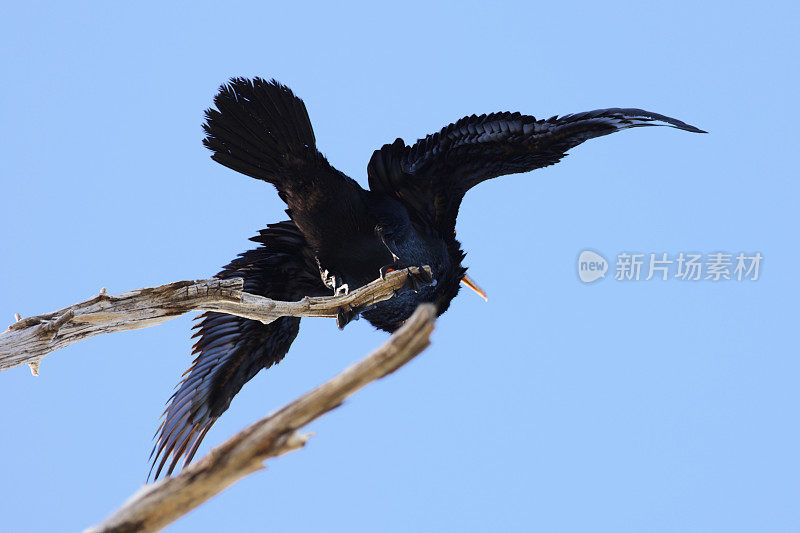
column 155, row 506
column 30, row 339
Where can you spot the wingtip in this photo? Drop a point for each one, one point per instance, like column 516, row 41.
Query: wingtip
column 690, row 128
column 679, row 124
column 642, row 117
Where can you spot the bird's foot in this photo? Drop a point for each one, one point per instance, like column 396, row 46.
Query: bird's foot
column 345, row 315
column 415, row 280
column 419, row 279
column 334, row 282
column 341, row 290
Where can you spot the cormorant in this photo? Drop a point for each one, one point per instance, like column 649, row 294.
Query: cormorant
column 340, row 236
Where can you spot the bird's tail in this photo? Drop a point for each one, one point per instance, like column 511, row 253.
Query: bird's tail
column 257, row 128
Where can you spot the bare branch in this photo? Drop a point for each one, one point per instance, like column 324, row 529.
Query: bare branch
column 157, row 505
column 28, row 340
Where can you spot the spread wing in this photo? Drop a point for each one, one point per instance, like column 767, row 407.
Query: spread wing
column 261, row 129
column 231, row 350
column 432, row 176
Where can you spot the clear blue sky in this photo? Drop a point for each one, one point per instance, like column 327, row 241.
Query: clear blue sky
column 556, row 406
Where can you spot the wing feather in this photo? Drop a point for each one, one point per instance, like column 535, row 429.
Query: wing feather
column 432, row 176
column 230, row 350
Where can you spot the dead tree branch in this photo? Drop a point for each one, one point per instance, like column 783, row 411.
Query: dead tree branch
column 28, row 340
column 155, row 506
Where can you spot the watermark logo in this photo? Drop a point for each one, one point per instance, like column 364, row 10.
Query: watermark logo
column 591, row 266
column 685, row 266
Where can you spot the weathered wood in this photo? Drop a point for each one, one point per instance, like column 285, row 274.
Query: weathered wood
column 155, row 506
column 28, row 340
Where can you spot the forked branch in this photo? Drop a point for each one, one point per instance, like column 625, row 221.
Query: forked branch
column 157, row 505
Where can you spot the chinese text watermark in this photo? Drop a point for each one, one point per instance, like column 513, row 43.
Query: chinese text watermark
column 686, row 266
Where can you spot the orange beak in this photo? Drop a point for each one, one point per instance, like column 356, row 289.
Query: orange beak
column 466, row 280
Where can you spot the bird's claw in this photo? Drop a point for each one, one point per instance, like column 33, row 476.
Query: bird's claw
column 334, row 282
column 414, row 280
column 342, row 290
column 345, row 315
column 424, row 276
column 419, row 279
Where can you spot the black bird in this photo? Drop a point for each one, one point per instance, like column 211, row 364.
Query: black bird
column 340, row 236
